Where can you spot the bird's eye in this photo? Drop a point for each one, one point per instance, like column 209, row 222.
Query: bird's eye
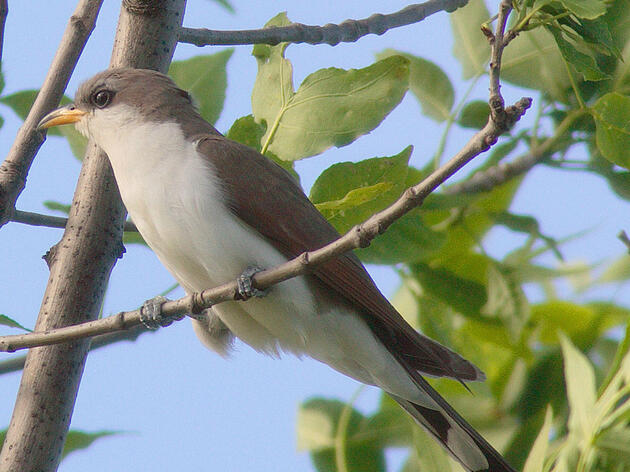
column 102, row 98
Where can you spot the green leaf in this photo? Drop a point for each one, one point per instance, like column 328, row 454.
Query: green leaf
column 474, row 115
column 429, row 84
column 77, row 440
column 581, row 393
column 612, row 119
column 58, row 206
column 589, row 9
column 583, row 324
column 506, row 299
column 471, row 46
column 225, row 4
column 133, row 237
column 21, row 103
column 532, row 60
column 536, row 459
column 320, row 431
column 6, row 321
column 274, row 82
column 356, row 197
column 390, row 426
column 246, row 131
column 622, row 73
column 464, row 295
column 529, row 225
column 407, row 240
column 349, row 193
column 205, row 77
column 583, row 63
column 332, row 107
column 77, row 142
column 426, row 454
column 466, row 226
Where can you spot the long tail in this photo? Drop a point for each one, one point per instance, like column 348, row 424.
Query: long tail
column 465, row 444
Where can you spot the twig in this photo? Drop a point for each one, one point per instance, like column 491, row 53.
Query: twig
column 14, row 169
column 16, row 364
column 50, row 221
column 348, row 31
column 497, row 106
column 494, row 176
column 623, row 237
column 359, row 236
column 4, row 11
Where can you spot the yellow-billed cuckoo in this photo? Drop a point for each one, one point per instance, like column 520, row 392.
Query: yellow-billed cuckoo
column 211, row 208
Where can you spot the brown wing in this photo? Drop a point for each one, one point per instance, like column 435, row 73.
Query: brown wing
column 268, row 199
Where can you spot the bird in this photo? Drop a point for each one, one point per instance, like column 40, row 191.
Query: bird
column 214, row 210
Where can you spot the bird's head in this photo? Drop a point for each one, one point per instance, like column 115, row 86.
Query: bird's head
column 116, row 98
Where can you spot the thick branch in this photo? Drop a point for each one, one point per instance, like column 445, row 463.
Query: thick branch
column 359, row 236
column 81, row 264
column 14, row 169
column 348, row 31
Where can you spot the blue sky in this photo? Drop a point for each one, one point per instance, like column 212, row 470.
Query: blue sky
column 177, row 404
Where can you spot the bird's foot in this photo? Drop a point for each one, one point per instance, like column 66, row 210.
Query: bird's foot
column 151, row 314
column 246, row 288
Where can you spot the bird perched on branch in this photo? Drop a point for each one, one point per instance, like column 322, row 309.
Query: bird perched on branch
column 214, row 210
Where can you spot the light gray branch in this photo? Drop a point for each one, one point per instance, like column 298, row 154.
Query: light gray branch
column 348, row 31
column 16, row 364
column 14, row 169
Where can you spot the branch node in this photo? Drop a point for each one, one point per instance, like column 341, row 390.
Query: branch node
column 196, row 304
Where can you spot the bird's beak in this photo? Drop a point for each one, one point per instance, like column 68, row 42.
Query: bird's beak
column 61, row 116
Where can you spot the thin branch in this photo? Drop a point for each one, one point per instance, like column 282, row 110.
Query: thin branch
column 346, row 32
column 359, row 236
column 14, row 169
column 50, row 221
column 4, row 11
column 16, row 364
column 496, row 175
column 623, row 237
column 498, row 43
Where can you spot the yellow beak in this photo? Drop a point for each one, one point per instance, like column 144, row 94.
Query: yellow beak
column 61, row 116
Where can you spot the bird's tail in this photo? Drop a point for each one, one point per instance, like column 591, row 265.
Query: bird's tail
column 460, row 439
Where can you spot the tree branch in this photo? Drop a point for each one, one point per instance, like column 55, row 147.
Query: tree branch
column 4, row 11
column 50, row 221
column 359, row 236
column 16, row 364
column 494, row 176
column 348, row 31
column 14, row 169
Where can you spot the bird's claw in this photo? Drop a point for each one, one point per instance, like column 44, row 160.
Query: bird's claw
column 246, row 288
column 151, row 314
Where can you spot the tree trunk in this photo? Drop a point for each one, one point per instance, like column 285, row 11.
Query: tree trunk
column 80, row 264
